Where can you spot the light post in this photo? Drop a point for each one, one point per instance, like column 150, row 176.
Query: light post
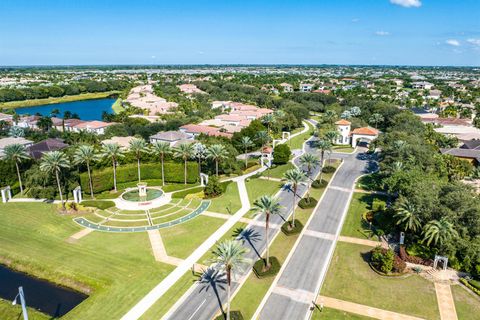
column 22, row 302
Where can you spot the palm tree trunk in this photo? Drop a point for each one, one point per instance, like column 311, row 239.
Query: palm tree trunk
column 246, row 159
column 293, row 206
column 267, row 255
column 90, row 184
column 138, row 168
column 216, row 166
column 19, row 177
column 229, row 281
column 114, row 175
column 185, row 171
column 60, row 190
column 163, row 175
column 199, row 168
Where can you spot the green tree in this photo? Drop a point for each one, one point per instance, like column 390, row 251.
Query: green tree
column 246, row 143
column 323, row 146
column 268, row 206
column 376, row 118
column 268, row 120
column 16, row 153
column 114, row 152
column 407, row 216
column 161, row 149
column 85, row 154
column 281, row 154
column 138, row 146
column 184, row 151
column 229, row 256
column 54, row 162
column 217, row 152
column 263, row 138
column 294, row 177
column 439, row 232
column 331, row 136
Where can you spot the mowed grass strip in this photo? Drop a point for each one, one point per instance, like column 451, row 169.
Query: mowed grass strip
column 334, row 314
column 228, row 202
column 117, row 270
column 278, row 171
column 467, row 304
column 259, row 187
column 350, row 278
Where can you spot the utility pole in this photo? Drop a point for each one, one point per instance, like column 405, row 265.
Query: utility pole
column 22, row 302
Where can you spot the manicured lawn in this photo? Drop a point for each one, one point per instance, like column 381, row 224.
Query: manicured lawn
column 297, row 141
column 7, row 311
column 259, row 187
column 117, row 106
column 278, row 171
column 466, row 304
column 353, row 225
column 350, row 278
column 369, row 182
column 334, row 314
column 181, row 240
column 345, row 149
column 227, row 203
column 37, row 102
column 116, row 270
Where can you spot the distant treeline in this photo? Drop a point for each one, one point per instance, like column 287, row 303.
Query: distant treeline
column 53, row 91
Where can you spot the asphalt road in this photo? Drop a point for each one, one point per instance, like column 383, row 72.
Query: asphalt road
column 297, row 286
column 205, row 300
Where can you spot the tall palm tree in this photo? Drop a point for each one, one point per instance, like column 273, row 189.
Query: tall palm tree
column 267, row 205
column 217, row 152
column 323, row 146
column 246, row 143
column 114, row 152
column 16, row 132
column 161, row 149
column 331, row 136
column 268, row 120
column 439, row 232
column 229, row 256
column 16, row 153
column 376, row 118
column 200, row 152
column 138, row 146
column 406, row 215
column 309, row 160
column 54, row 162
column 263, row 138
column 294, row 177
column 184, row 151
column 85, row 154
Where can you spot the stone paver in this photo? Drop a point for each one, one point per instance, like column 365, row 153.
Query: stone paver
column 362, row 309
column 80, row 234
column 364, row 242
column 446, row 305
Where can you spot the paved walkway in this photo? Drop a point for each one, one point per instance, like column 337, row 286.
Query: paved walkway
column 159, row 251
column 446, row 305
column 364, row 242
column 80, row 234
column 362, row 309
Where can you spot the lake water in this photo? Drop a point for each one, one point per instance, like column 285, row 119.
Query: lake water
column 39, row 294
column 86, row 109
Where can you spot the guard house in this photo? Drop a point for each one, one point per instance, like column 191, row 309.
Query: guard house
column 343, row 127
column 348, row 136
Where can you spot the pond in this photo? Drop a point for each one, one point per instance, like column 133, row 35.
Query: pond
column 86, row 109
column 39, row 294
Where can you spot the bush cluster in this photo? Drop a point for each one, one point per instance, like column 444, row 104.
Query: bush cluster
column 234, row 315
column 281, row 154
column 103, row 179
column 40, row 192
column 259, row 266
column 329, row 169
column 382, row 259
column 214, row 188
column 306, row 203
column 468, row 284
column 378, row 205
column 317, row 184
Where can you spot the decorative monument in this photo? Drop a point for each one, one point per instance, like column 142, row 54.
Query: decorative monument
column 444, row 261
column 6, row 194
column 142, row 190
column 77, row 194
column 203, row 179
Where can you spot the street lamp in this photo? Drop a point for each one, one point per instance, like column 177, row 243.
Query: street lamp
column 22, row 302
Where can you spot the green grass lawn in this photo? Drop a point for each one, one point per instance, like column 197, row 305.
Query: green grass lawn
column 466, row 304
column 278, row 171
column 227, row 203
column 345, row 149
column 116, row 270
column 350, row 278
column 117, row 106
column 297, row 141
column 38, row 102
column 333, row 314
column 7, row 312
column 259, row 187
column 353, row 225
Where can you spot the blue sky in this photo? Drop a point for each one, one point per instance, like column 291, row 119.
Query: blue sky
column 397, row 32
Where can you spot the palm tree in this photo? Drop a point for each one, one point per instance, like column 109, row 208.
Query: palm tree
column 217, row 152
column 246, row 144
column 332, row 136
column 268, row 120
column 54, row 162
column 138, row 146
column 267, row 205
column 263, row 138
column 16, row 153
column 406, row 215
column 85, row 154
column 294, row 177
column 200, row 152
column 376, row 118
column 161, row 149
column 439, row 232
column 329, row 116
column 114, row 152
column 323, row 146
column 184, row 151
column 16, row 132
column 309, row 160
column 229, row 256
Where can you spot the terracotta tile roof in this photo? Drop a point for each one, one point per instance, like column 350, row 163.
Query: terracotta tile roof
column 343, row 122
column 367, row 131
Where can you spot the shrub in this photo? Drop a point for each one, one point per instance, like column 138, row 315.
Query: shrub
column 289, row 231
column 469, row 286
column 98, row 204
column 43, row 192
column 475, row 284
column 382, row 259
column 103, row 179
column 329, row 169
column 182, row 194
column 258, row 268
column 234, row 315
column 399, row 265
column 281, row 153
column 378, row 205
column 317, row 184
column 306, row 203
column 213, row 188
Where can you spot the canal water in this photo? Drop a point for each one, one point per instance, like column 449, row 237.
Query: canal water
column 86, row 109
column 39, row 294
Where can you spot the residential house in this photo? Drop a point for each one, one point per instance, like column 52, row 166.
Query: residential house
column 423, row 85
column 37, row 150
column 286, row 87
column 171, row 137
column 306, row 87
column 123, row 142
column 95, row 126
column 4, row 142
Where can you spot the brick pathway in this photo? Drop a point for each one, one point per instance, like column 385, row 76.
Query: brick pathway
column 362, row 309
column 159, row 251
column 446, row 305
column 80, row 234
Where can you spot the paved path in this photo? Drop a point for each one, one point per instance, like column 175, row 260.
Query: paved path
column 80, row 234
column 159, row 251
column 364, row 242
column 308, row 262
column 446, row 304
column 362, row 309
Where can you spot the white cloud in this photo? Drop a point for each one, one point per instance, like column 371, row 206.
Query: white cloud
column 382, row 33
column 453, row 42
column 153, row 57
column 407, row 3
column 355, row 20
column 475, row 42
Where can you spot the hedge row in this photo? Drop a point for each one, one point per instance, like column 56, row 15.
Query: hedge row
column 103, row 179
column 469, row 286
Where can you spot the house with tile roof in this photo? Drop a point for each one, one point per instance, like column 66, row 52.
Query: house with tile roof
column 348, row 136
